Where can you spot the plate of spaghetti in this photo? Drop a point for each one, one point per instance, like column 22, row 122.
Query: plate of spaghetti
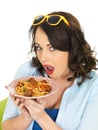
column 33, row 87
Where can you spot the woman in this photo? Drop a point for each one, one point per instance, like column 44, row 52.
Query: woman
column 62, row 54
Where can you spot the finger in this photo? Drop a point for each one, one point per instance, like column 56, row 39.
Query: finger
column 41, row 101
column 22, row 100
column 21, row 105
column 31, row 103
column 17, row 101
column 13, row 97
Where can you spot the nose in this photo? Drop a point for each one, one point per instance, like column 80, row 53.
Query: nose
column 43, row 56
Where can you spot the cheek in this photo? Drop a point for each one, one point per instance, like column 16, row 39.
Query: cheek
column 63, row 60
column 62, row 66
column 62, row 63
column 38, row 55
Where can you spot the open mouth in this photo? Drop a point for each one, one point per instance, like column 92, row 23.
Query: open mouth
column 49, row 69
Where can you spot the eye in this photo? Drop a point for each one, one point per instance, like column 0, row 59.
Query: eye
column 38, row 48
column 52, row 48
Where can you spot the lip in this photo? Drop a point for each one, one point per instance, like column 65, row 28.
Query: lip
column 49, row 69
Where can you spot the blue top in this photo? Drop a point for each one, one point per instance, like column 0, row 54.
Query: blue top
column 79, row 105
column 52, row 113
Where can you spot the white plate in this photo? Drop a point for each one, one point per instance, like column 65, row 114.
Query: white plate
column 54, row 86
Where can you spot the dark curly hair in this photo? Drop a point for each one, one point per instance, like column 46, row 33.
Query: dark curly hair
column 68, row 38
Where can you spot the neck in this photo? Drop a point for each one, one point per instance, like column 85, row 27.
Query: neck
column 64, row 77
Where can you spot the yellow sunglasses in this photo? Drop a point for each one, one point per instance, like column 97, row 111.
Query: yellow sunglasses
column 52, row 20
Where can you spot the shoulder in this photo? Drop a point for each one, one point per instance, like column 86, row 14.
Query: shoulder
column 26, row 69
column 90, row 86
column 94, row 74
column 93, row 79
column 94, row 84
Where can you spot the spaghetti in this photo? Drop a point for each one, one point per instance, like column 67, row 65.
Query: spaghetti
column 32, row 87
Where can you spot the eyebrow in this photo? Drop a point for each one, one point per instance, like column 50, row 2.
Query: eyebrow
column 39, row 44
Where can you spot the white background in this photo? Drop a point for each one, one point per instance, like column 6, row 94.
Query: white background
column 16, row 18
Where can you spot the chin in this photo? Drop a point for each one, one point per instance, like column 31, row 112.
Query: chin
column 54, row 76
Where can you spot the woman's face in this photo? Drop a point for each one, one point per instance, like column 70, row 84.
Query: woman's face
column 55, row 62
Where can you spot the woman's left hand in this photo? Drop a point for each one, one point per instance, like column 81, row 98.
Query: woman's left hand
column 35, row 108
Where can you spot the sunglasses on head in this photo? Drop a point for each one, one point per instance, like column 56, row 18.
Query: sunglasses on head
column 52, row 20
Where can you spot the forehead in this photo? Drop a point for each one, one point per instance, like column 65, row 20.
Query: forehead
column 40, row 36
